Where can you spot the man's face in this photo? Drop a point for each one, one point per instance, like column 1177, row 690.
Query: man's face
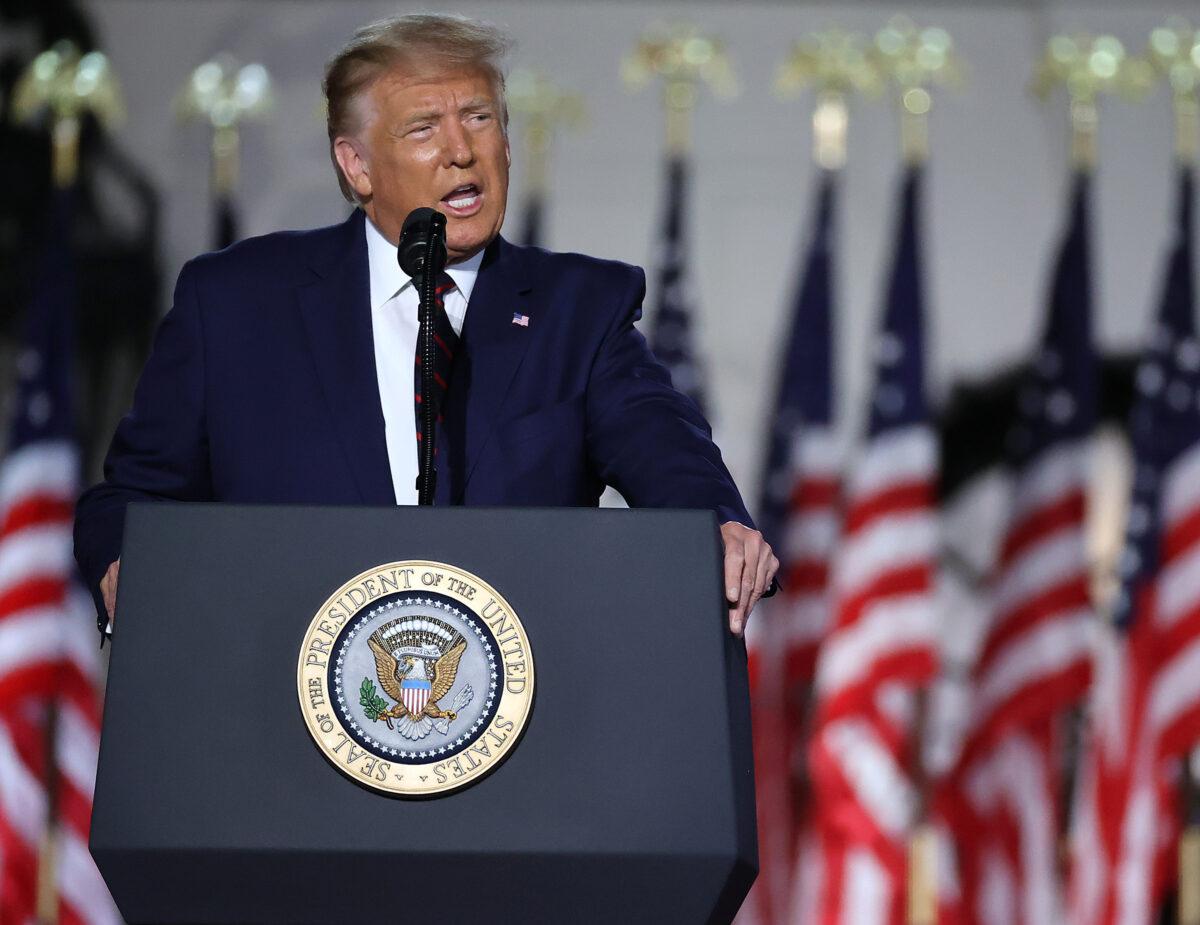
column 435, row 141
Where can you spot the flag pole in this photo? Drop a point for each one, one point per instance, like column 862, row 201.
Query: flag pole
column 1189, row 848
column 915, row 61
column 834, row 65
column 62, row 85
column 223, row 94
column 544, row 107
column 682, row 59
column 799, row 462
column 1086, row 67
column 1174, row 54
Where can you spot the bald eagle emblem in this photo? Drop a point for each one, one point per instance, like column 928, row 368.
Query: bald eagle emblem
column 416, row 662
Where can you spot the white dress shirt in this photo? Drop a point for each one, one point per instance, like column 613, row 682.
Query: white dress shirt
column 394, row 322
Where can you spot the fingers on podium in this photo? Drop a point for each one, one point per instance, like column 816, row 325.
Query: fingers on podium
column 108, row 587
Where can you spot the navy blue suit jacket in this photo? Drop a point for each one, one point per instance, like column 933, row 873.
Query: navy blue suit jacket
column 261, row 388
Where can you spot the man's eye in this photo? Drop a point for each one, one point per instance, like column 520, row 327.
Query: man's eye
column 481, row 117
column 420, row 131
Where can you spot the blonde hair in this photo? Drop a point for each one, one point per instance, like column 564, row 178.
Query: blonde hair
column 420, row 42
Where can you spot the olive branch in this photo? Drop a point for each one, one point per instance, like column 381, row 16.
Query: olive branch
column 374, row 705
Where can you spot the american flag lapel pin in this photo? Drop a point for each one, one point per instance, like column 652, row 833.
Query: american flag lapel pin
column 520, row 320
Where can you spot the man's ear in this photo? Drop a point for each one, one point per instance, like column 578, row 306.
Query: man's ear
column 354, row 165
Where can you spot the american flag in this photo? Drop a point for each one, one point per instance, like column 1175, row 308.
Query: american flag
column 881, row 647
column 798, row 515
column 48, row 654
column 1146, row 708
column 531, row 233
column 1006, row 830
column 671, row 333
column 798, row 510
column 1036, row 658
column 226, row 231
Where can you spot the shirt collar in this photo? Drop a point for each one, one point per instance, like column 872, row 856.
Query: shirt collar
column 387, row 279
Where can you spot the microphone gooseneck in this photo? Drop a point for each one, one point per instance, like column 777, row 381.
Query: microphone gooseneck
column 422, row 255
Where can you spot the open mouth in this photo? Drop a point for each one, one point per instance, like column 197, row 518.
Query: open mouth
column 463, row 200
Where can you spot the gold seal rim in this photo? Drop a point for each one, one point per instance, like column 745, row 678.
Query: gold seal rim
column 523, row 700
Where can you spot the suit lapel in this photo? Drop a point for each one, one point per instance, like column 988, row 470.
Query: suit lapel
column 492, row 349
column 335, row 305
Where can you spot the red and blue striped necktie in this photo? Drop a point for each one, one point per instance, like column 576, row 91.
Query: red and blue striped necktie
column 445, row 344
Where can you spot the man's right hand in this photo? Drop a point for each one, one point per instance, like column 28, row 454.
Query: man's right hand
column 108, row 589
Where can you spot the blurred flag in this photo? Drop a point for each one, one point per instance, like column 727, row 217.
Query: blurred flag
column 671, row 335
column 531, row 234
column 227, row 223
column 881, row 647
column 1035, row 662
column 798, row 506
column 798, row 515
column 49, row 661
column 1146, row 707
column 23, row 810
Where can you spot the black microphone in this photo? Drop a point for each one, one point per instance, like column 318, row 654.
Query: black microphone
column 422, row 255
column 422, row 240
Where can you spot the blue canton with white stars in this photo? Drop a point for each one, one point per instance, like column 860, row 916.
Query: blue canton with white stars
column 1057, row 401
column 1165, row 421
column 899, row 395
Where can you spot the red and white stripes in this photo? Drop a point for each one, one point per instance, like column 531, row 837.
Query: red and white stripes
column 83, row 896
column 37, row 488
column 883, row 576
column 1009, row 849
column 880, row 648
column 48, row 667
column 1173, row 710
column 809, row 540
column 1037, row 655
column 1123, row 818
column 1145, row 719
column 782, row 641
column 23, row 813
column 1034, row 664
column 35, row 555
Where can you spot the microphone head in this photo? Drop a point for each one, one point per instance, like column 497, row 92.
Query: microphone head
column 419, row 228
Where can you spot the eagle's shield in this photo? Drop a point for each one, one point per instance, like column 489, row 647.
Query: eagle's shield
column 415, row 694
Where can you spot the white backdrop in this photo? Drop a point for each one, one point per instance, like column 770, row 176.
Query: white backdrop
column 995, row 191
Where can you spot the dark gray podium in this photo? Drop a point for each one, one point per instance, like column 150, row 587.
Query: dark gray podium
column 630, row 797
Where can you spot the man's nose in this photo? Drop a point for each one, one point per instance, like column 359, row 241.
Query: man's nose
column 458, row 151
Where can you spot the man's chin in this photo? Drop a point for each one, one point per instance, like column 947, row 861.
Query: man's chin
column 464, row 247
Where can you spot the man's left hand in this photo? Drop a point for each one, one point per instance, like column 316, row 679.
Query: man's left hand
column 750, row 566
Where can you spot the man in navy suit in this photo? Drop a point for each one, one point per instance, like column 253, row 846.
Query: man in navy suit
column 284, row 371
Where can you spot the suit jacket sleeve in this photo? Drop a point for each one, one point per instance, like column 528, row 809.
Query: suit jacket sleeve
column 160, row 449
column 647, row 440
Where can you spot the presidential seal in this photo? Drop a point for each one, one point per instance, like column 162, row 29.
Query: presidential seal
column 415, row 678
